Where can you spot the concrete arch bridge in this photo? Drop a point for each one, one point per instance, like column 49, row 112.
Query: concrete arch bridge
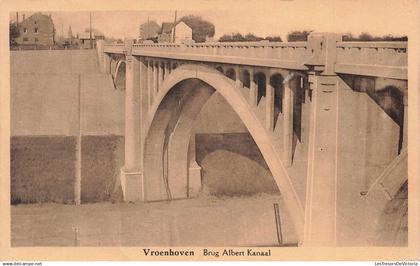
column 329, row 117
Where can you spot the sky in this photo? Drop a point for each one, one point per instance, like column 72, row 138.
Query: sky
column 268, row 18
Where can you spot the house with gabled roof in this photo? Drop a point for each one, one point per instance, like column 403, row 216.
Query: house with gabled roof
column 182, row 32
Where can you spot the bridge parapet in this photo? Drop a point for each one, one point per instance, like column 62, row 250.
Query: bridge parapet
column 381, row 59
column 281, row 55
column 384, row 59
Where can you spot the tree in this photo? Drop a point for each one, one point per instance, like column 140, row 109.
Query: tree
column 366, row 37
column 14, row 33
column 237, row 37
column 298, row 36
column 273, row 38
column 249, row 37
column 252, row 38
column 201, row 29
column 233, row 37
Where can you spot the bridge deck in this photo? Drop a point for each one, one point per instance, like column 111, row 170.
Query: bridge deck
column 382, row 59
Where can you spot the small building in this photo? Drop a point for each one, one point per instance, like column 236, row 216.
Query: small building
column 38, row 29
column 149, row 30
column 183, row 33
column 85, row 37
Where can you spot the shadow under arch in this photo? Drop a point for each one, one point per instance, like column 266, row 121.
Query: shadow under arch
column 168, row 131
column 230, row 164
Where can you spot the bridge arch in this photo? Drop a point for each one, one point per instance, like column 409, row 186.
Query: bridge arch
column 118, row 76
column 168, row 132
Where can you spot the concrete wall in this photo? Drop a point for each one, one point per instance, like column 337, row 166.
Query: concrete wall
column 54, row 62
column 45, row 88
column 44, row 103
column 43, row 168
column 231, row 161
column 368, row 142
column 102, row 159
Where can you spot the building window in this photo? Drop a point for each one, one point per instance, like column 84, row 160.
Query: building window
column 25, row 30
column 25, row 39
column 36, row 39
column 34, row 21
column 36, row 30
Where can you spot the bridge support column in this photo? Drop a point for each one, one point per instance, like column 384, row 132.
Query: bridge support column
column 160, row 73
column 106, row 63
column 194, row 170
column 269, row 115
column 253, row 94
column 155, row 78
column 320, row 210
column 167, row 68
column 150, row 91
column 405, row 123
column 288, row 99
column 131, row 173
column 238, row 82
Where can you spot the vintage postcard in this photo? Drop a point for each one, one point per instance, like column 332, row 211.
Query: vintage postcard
column 210, row 130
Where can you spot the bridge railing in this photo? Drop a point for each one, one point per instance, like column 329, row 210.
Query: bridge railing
column 117, row 48
column 384, row 59
column 271, row 54
column 388, row 59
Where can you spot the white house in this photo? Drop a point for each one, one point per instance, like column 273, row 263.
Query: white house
column 183, row 33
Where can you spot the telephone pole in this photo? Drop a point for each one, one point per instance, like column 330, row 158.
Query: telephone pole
column 147, row 27
column 173, row 38
column 90, row 30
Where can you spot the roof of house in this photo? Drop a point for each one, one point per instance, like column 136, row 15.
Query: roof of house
column 38, row 15
column 167, row 27
column 43, row 21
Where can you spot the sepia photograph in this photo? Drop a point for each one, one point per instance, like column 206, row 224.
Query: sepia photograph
column 231, row 130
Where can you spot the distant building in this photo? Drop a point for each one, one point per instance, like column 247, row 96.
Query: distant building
column 70, row 33
column 84, row 38
column 69, row 42
column 38, row 29
column 183, row 33
column 149, row 30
